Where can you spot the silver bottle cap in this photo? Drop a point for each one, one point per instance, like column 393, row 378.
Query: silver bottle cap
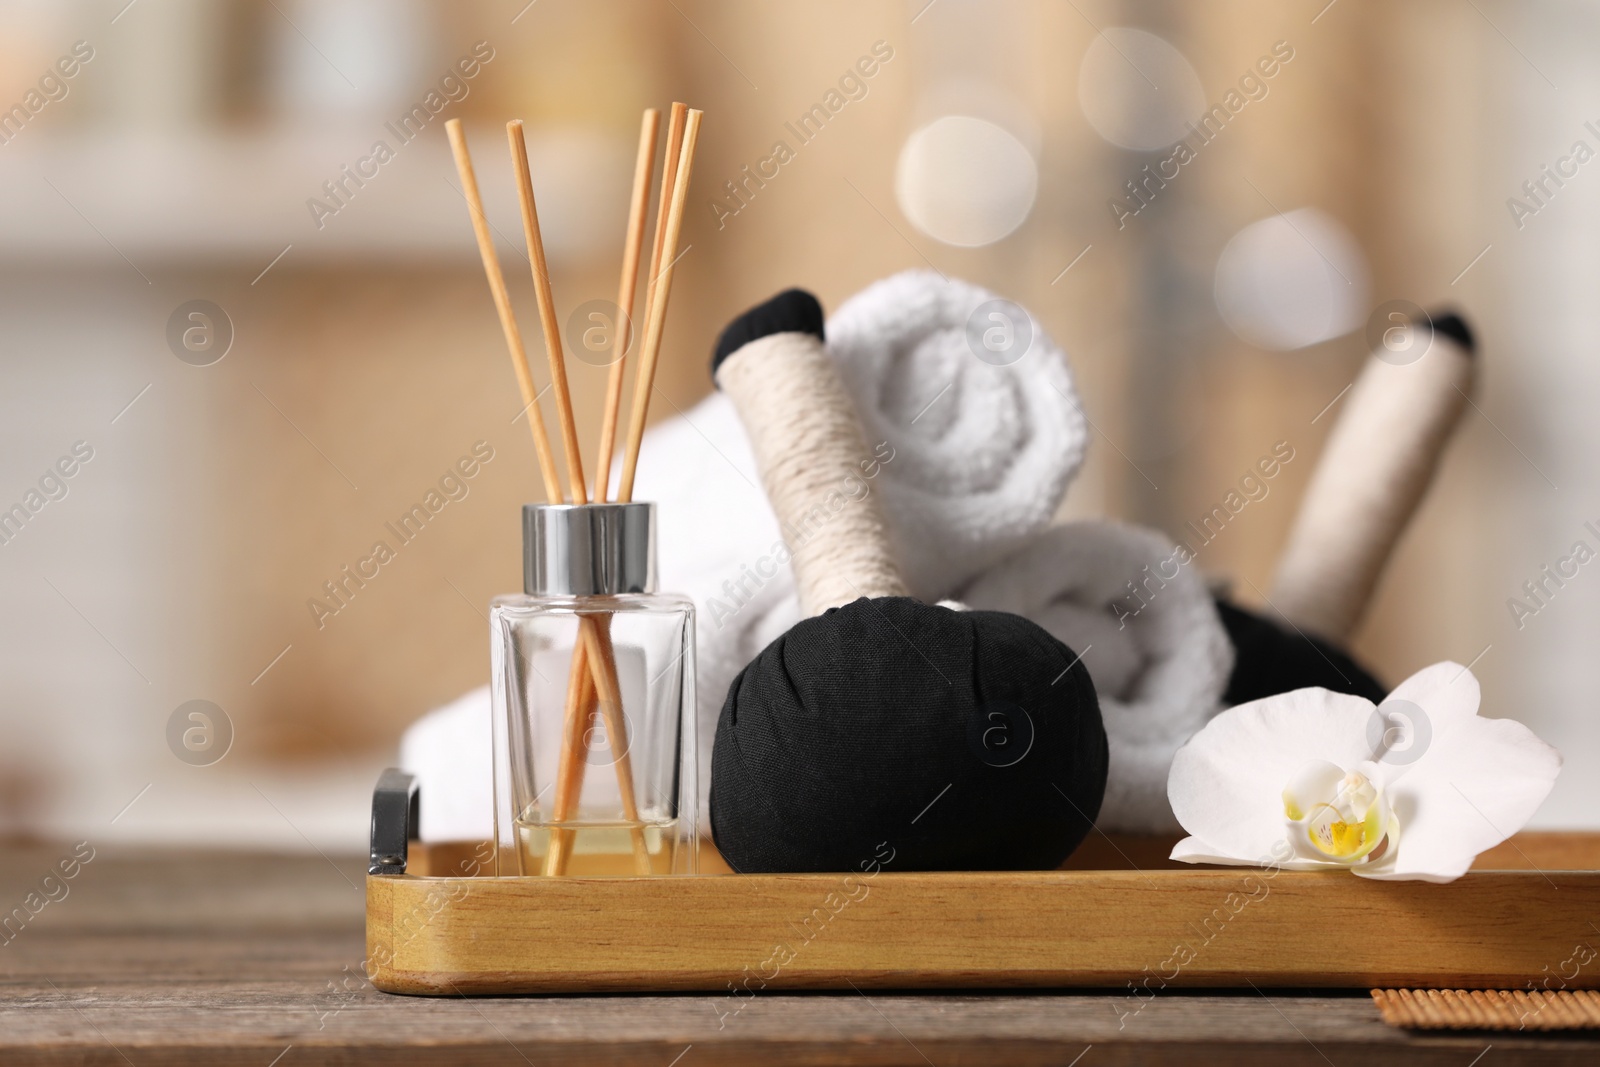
column 588, row 549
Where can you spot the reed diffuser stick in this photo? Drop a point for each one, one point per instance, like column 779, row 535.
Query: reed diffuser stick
column 633, row 247
column 547, row 310
column 597, row 654
column 587, row 687
column 502, row 304
column 609, row 693
column 669, row 178
column 645, row 376
column 573, row 754
column 569, row 780
column 519, row 361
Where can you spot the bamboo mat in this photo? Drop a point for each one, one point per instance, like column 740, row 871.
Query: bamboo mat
column 1489, row 1009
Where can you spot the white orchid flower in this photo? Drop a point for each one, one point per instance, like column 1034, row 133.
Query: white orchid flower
column 1314, row 780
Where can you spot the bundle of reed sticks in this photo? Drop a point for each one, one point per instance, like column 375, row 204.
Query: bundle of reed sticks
column 593, row 685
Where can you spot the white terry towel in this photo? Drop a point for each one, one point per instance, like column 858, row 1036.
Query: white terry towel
column 1158, row 655
column 1148, row 632
column 984, row 452
column 451, row 751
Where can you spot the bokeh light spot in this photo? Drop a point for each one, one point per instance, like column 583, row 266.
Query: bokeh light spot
column 1137, row 90
column 1291, row 280
column 965, row 181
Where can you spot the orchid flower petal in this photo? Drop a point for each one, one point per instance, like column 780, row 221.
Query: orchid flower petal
column 1226, row 784
column 1430, row 703
column 1478, row 784
column 1314, row 780
column 1194, row 850
column 1310, row 786
column 1447, row 690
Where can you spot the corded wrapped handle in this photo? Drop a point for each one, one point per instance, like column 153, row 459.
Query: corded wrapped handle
column 807, row 443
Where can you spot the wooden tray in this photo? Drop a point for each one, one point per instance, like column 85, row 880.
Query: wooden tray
column 1522, row 915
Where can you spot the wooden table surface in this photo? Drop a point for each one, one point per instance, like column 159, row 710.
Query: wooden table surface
column 246, row 958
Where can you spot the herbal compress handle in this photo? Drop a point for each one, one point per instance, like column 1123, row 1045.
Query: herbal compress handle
column 808, row 444
column 1380, row 459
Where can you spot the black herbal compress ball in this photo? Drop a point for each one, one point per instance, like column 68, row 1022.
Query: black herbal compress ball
column 1268, row 660
column 962, row 740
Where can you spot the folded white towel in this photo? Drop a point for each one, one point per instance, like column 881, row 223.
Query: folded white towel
column 1148, row 632
column 1157, row 653
column 451, row 751
column 983, row 452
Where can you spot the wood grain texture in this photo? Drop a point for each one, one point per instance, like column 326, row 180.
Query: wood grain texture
column 917, row 930
column 190, row 958
column 1533, row 851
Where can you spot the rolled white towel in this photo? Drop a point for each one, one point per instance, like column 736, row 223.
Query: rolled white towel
column 984, row 450
column 982, row 454
column 1147, row 629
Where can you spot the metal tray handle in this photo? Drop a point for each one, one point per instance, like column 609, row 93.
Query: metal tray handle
column 395, row 819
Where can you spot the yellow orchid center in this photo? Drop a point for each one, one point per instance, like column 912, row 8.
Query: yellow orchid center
column 1334, row 815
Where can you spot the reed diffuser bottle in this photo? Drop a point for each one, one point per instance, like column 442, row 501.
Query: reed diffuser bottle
column 593, row 670
column 593, row 682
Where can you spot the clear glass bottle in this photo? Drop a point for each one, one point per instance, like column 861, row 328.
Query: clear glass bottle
column 595, row 775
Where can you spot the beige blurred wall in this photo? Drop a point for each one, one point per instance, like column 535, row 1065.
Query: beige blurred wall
column 829, row 221
column 362, row 369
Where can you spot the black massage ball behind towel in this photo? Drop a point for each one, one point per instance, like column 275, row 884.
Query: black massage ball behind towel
column 961, row 740
column 1269, row 659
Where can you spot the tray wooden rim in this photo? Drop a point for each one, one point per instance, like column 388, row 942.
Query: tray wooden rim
column 1136, row 931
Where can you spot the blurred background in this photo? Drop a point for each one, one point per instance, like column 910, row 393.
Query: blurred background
column 348, row 354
